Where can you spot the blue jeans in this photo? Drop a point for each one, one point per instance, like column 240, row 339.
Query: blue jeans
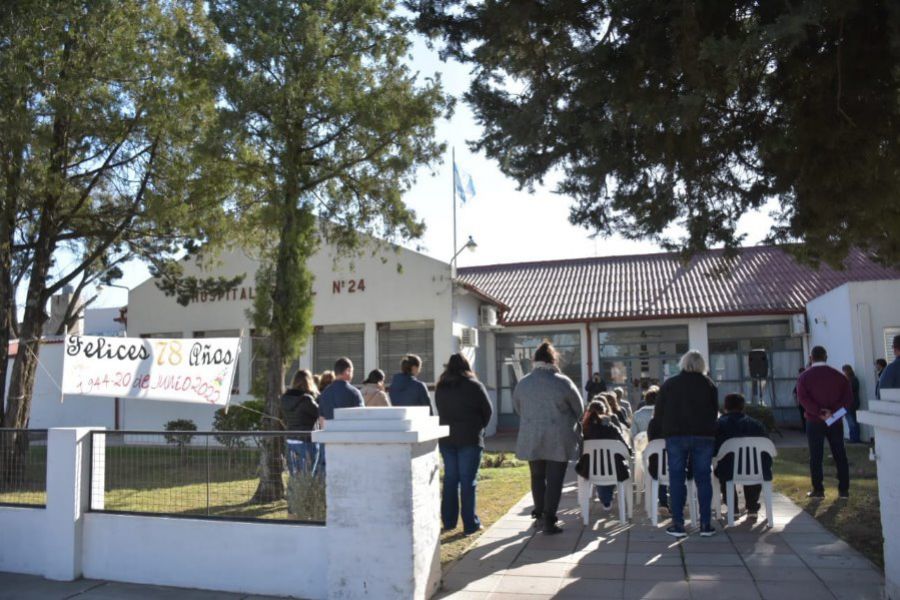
column 605, row 493
column 302, row 456
column 460, row 478
column 853, row 425
column 699, row 451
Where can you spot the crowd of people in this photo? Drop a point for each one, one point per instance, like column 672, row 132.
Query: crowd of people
column 685, row 412
column 311, row 400
column 554, row 422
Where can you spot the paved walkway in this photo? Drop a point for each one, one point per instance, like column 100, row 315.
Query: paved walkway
column 29, row 587
column 797, row 560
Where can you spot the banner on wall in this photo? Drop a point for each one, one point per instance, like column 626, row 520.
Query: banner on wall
column 181, row 370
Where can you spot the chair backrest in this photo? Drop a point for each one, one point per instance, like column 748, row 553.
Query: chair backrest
column 747, row 453
column 657, row 448
column 602, row 460
column 640, row 441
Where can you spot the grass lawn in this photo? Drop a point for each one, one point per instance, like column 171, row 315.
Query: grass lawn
column 498, row 489
column 858, row 520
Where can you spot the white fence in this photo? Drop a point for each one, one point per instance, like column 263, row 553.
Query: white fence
column 64, row 541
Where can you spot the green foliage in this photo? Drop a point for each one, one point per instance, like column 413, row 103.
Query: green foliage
column 111, row 149
column 180, row 439
column 688, row 113
column 306, row 497
column 763, row 414
column 240, row 417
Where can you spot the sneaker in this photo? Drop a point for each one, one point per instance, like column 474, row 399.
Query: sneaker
column 707, row 530
column 552, row 529
column 607, row 507
column 676, row 531
column 844, row 495
column 476, row 530
column 536, row 515
column 815, row 494
column 753, row 516
column 663, row 511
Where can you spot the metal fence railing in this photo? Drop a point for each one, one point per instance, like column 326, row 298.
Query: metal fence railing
column 217, row 475
column 23, row 467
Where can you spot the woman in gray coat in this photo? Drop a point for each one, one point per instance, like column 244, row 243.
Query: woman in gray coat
column 549, row 408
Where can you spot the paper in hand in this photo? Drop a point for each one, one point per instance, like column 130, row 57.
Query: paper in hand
column 835, row 416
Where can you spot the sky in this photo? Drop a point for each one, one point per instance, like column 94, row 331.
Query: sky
column 507, row 224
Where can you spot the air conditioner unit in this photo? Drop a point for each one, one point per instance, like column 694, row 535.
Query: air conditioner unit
column 798, row 324
column 469, row 337
column 488, row 316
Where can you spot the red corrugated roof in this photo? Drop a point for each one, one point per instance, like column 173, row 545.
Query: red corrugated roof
column 760, row 280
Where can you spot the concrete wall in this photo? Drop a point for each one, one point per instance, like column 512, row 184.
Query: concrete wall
column 382, row 543
column 251, row 558
column 23, row 541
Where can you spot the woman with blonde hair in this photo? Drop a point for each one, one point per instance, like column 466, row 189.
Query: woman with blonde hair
column 687, row 409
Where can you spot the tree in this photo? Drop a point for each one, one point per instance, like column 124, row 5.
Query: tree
column 339, row 123
column 693, row 112
column 110, row 149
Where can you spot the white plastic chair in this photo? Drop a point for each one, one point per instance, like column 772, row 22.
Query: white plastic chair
column 651, row 486
column 602, row 470
column 748, row 470
column 638, row 445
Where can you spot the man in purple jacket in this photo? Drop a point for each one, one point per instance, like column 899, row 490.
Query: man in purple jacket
column 822, row 391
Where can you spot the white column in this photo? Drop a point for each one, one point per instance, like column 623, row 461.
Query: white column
column 884, row 416
column 370, row 351
column 383, row 484
column 68, row 488
column 698, row 337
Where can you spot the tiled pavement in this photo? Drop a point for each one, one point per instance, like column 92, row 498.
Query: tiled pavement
column 797, row 560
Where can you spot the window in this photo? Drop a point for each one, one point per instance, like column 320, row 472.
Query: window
column 636, row 358
column 729, row 349
column 400, row 338
column 226, row 333
column 331, row 342
column 165, row 335
column 515, row 352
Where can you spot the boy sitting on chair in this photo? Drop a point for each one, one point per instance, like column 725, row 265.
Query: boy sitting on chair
column 733, row 424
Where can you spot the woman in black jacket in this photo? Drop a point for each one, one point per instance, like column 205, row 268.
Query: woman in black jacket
column 598, row 424
column 301, row 413
column 463, row 405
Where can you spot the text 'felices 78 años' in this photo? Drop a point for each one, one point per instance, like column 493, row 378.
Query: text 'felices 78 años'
column 167, row 351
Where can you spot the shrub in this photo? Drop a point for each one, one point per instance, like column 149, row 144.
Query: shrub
column 306, row 496
column 240, row 417
column 764, row 415
column 180, row 439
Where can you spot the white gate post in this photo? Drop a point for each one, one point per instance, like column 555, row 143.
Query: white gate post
column 68, row 488
column 884, row 416
column 383, row 495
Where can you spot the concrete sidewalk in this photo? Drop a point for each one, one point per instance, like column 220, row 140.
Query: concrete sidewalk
column 797, row 560
column 30, row 587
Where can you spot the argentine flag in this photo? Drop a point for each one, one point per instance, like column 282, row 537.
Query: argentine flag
column 465, row 186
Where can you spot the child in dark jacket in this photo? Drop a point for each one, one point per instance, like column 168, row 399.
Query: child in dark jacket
column 598, row 424
column 734, row 424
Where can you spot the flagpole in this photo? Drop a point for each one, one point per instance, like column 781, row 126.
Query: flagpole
column 453, row 261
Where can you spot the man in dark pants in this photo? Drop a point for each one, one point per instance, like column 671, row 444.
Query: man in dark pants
column 822, row 391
